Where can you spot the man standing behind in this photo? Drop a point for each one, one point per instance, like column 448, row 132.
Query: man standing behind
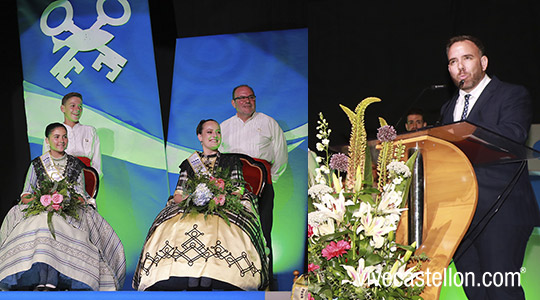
column 503, row 231
column 83, row 139
column 259, row 136
column 415, row 119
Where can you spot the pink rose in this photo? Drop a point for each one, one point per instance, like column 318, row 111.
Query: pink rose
column 310, row 297
column 57, row 198
column 220, row 183
column 56, row 206
column 45, row 200
column 220, row 200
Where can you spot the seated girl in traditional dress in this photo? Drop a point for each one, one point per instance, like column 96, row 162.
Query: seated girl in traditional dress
column 54, row 239
column 221, row 247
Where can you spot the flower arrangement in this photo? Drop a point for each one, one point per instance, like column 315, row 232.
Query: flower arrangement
column 53, row 197
column 352, row 251
column 214, row 195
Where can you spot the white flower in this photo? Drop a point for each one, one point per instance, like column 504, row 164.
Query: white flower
column 317, row 191
column 318, row 159
column 360, row 276
column 376, row 227
column 325, row 228
column 319, row 147
column 334, row 208
column 364, row 209
column 319, row 178
column 404, row 276
column 325, row 142
column 316, row 218
column 202, row 195
column 324, row 169
column 319, row 136
column 399, row 168
column 397, row 180
column 390, row 201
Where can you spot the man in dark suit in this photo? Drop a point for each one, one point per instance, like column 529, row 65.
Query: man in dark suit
column 498, row 240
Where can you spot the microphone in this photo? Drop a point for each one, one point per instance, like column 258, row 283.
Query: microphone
column 437, row 86
column 460, row 85
column 431, row 87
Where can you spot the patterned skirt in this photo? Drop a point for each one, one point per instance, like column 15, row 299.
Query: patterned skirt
column 198, row 246
column 86, row 252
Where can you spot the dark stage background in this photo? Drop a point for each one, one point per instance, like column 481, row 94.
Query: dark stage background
column 357, row 49
column 393, row 51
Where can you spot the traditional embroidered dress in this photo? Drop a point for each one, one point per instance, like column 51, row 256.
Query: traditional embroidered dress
column 87, row 253
column 182, row 252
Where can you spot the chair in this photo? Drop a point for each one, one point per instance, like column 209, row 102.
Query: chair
column 91, row 181
column 254, row 173
column 91, row 177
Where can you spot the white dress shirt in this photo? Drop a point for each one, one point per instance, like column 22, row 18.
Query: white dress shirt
column 82, row 141
column 259, row 137
column 475, row 94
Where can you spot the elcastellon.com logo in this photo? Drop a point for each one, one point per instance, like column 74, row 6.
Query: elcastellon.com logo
column 449, row 278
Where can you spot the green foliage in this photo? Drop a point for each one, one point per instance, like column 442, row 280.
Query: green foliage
column 69, row 205
column 220, row 184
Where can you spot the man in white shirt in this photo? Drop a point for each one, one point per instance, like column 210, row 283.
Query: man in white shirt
column 259, row 136
column 83, row 140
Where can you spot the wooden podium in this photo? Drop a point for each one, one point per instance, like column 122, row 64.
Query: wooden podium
column 450, row 189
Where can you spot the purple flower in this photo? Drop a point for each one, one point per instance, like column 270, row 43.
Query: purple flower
column 339, row 161
column 386, row 133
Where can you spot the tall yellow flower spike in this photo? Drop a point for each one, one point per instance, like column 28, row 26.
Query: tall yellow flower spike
column 358, row 141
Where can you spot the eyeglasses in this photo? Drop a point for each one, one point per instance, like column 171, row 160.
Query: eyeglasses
column 245, row 98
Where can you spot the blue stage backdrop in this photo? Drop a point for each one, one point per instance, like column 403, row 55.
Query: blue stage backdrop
column 104, row 51
column 274, row 63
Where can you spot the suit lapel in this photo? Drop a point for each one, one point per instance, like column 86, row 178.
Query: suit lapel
column 448, row 112
column 483, row 100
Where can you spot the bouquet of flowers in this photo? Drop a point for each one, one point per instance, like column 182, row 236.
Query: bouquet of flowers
column 53, row 197
column 352, row 251
column 214, row 195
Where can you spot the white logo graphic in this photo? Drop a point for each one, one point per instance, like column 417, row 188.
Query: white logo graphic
column 93, row 38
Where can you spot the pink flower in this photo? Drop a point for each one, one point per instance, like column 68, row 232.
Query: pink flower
column 220, row 183
column 309, row 231
column 45, row 200
column 220, row 200
column 312, row 267
column 309, row 297
column 336, row 249
column 57, row 198
column 56, row 206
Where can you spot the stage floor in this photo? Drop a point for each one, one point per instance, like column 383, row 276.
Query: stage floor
column 133, row 295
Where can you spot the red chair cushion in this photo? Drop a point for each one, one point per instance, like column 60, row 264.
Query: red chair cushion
column 253, row 175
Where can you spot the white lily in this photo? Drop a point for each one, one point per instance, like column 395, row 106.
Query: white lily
column 360, row 275
column 334, row 207
column 376, row 227
column 404, row 276
column 325, row 228
column 390, row 201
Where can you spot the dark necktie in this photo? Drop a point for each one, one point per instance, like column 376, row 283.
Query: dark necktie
column 465, row 107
